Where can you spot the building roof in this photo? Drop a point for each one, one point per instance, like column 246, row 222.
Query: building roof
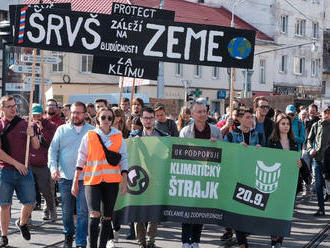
column 94, row 6
column 184, row 11
column 196, row 13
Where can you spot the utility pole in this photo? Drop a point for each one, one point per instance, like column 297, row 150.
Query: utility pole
column 160, row 83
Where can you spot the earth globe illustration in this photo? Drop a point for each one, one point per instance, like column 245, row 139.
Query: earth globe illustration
column 239, row 48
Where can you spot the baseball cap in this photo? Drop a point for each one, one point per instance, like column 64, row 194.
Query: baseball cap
column 325, row 108
column 37, row 109
column 290, row 109
column 202, row 100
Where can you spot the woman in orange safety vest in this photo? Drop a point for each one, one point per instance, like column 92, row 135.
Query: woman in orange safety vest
column 102, row 174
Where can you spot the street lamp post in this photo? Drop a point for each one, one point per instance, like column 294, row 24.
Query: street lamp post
column 4, row 38
column 160, row 83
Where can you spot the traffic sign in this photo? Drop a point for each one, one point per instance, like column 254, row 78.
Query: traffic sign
column 38, row 80
column 128, row 82
column 24, row 68
column 18, row 87
column 221, row 94
column 28, row 58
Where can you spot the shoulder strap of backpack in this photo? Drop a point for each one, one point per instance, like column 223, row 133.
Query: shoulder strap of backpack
column 260, row 138
column 299, row 128
column 230, row 137
column 10, row 126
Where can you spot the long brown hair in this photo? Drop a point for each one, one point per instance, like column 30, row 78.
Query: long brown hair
column 184, row 111
column 118, row 112
column 275, row 136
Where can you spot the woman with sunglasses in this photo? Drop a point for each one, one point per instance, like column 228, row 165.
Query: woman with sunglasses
column 102, row 174
column 283, row 137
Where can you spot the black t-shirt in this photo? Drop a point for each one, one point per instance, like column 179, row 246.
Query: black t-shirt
column 247, row 138
column 205, row 134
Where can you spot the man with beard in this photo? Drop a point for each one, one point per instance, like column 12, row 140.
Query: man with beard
column 44, row 130
column 149, row 230
column 52, row 113
column 62, row 159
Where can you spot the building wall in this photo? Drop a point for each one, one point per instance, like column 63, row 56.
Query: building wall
column 266, row 16
column 258, row 13
column 5, row 3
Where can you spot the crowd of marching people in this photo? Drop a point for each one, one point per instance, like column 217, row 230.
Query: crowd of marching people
column 79, row 151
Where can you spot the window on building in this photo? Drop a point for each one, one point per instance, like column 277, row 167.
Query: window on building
column 215, row 72
column 315, row 1
column 300, row 27
column 315, row 30
column 178, row 70
column 284, row 24
column 324, row 85
column 86, row 63
column 299, row 65
column 55, row 68
column 283, row 63
column 3, row 15
column 198, row 71
column 262, row 74
column 315, row 65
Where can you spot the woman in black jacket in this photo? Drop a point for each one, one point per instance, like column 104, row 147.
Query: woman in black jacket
column 283, row 137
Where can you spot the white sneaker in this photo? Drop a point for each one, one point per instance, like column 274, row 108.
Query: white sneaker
column 111, row 244
column 115, row 236
column 195, row 245
column 185, row 245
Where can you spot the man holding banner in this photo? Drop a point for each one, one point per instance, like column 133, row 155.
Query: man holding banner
column 246, row 136
column 148, row 122
column 191, row 233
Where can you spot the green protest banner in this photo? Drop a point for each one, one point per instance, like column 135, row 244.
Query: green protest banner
column 197, row 181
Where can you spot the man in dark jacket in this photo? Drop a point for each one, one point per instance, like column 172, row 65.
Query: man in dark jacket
column 163, row 123
column 45, row 131
column 312, row 117
column 316, row 145
column 263, row 124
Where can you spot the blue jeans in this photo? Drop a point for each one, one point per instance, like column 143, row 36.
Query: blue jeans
column 11, row 180
column 68, row 204
column 319, row 183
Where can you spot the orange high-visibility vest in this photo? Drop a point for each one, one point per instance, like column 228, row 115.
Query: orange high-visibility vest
column 97, row 168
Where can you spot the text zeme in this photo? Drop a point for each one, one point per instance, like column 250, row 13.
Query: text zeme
column 194, row 188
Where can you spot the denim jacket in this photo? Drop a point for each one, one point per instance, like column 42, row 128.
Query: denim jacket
column 236, row 136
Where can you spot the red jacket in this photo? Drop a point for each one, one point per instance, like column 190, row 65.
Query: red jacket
column 221, row 123
column 56, row 119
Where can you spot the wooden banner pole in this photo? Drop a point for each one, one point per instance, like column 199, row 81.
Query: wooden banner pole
column 121, row 81
column 131, row 103
column 42, row 80
column 30, row 107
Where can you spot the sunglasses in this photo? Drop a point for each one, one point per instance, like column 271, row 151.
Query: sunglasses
column 104, row 117
column 264, row 107
column 52, row 105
